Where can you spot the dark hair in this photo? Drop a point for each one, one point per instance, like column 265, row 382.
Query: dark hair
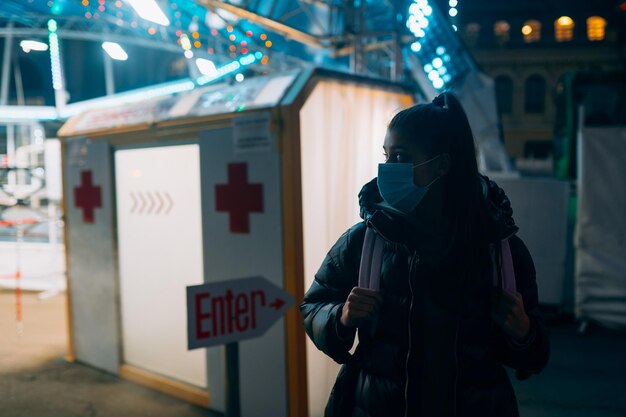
column 442, row 127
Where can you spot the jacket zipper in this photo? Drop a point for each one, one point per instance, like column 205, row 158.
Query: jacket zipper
column 413, row 264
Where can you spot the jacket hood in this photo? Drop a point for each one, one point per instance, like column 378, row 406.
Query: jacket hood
column 498, row 206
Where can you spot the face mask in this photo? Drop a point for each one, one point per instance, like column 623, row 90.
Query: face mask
column 395, row 182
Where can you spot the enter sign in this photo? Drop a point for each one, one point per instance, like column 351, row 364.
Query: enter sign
column 229, row 311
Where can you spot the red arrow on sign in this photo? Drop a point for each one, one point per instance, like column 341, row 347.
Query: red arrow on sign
column 229, row 311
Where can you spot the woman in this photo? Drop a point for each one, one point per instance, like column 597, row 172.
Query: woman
column 434, row 337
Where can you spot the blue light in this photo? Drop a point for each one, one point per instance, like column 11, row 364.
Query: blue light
column 441, row 50
column 446, row 78
column 258, row 55
column 446, row 58
column 438, row 83
column 428, row 68
column 437, row 62
column 442, row 70
column 433, row 75
column 453, row 12
column 416, row 46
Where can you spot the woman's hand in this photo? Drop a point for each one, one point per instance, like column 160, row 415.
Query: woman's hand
column 362, row 304
column 509, row 314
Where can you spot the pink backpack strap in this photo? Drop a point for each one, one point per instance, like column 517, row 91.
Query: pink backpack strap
column 371, row 261
column 507, row 269
column 370, row 268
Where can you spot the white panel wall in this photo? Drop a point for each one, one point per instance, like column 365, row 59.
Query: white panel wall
column 91, row 264
column 342, row 129
column 540, row 211
column 228, row 255
column 160, row 253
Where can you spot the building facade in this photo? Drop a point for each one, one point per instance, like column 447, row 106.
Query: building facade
column 526, row 47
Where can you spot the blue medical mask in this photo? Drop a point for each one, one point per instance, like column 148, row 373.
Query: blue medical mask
column 396, row 186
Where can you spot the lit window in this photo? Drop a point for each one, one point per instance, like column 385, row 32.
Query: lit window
column 472, row 31
column 531, row 31
column 501, row 29
column 535, row 94
column 563, row 29
column 596, row 28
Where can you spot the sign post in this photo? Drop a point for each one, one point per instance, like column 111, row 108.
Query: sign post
column 226, row 312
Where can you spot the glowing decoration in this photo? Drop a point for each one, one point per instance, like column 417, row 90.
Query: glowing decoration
column 268, row 44
column 263, row 36
column 179, row 33
column 149, row 10
column 88, row 15
column 195, row 35
column 206, row 67
column 526, row 30
column 434, row 40
column 455, row 28
column 188, row 54
column 264, row 60
column 152, row 31
column 214, row 32
column 28, row 46
column 55, row 56
column 244, row 50
column 531, row 31
column 185, row 42
column 118, row 3
column 239, row 77
column 197, row 44
column 249, row 33
column 229, row 68
column 115, row 51
column 244, row 43
column 229, row 29
column 232, row 48
column 232, row 38
column 85, row 3
column 258, row 55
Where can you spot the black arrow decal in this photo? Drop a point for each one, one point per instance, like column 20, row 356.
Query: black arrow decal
column 170, row 202
column 134, row 205
column 143, row 202
column 150, row 202
column 159, row 203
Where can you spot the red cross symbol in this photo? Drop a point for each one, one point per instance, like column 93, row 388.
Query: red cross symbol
column 239, row 198
column 87, row 197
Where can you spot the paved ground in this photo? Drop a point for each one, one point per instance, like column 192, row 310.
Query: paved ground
column 585, row 378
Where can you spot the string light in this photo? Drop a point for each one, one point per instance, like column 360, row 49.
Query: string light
column 268, row 44
column 55, row 56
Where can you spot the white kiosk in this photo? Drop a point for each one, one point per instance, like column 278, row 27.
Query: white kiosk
column 222, row 182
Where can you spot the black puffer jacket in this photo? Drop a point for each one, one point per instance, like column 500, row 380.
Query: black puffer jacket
column 435, row 351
